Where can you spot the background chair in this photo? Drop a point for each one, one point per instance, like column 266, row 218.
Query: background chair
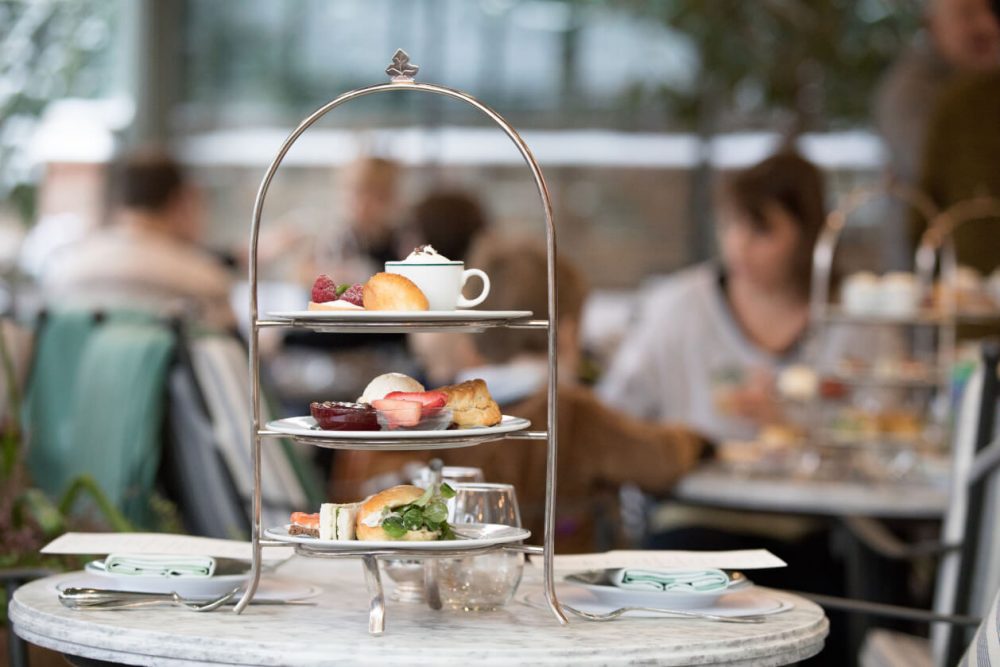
column 969, row 568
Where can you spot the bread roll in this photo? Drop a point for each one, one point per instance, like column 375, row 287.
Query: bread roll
column 471, row 404
column 397, row 496
column 391, row 291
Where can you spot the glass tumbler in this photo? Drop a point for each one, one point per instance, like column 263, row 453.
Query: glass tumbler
column 406, row 573
column 487, row 582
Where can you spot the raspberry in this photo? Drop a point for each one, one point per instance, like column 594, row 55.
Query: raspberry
column 324, row 289
column 354, row 295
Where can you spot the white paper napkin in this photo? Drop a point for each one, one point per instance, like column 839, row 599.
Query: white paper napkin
column 746, row 559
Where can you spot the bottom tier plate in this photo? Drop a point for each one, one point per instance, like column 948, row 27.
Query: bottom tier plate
column 470, row 535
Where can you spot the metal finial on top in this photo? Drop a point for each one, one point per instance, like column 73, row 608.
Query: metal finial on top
column 401, row 69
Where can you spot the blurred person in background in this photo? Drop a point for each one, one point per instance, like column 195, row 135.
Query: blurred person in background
column 961, row 160
column 451, row 221
column 148, row 256
column 709, row 341
column 599, row 448
column 961, row 37
column 369, row 193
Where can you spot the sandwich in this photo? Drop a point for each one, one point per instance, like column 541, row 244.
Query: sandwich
column 332, row 522
column 336, row 521
column 406, row 513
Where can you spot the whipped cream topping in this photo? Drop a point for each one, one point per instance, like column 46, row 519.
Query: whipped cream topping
column 425, row 254
column 340, row 304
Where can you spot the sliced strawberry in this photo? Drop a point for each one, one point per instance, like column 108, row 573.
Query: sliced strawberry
column 324, row 289
column 353, row 295
column 429, row 399
column 399, row 413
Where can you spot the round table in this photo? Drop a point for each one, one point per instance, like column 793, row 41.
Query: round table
column 335, row 630
column 720, row 488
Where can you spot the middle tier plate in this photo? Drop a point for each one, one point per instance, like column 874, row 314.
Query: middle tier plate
column 303, row 429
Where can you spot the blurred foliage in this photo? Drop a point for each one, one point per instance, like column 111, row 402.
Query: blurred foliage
column 815, row 62
column 49, row 50
column 29, row 519
column 794, row 64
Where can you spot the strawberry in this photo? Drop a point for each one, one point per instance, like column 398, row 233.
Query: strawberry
column 353, row 295
column 430, row 400
column 399, row 414
column 324, row 289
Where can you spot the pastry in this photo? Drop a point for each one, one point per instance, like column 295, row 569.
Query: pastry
column 471, row 404
column 798, row 383
column 391, row 291
column 406, row 513
column 388, row 383
column 861, row 294
column 900, row 294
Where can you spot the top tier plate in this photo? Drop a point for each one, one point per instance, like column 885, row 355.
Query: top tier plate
column 388, row 321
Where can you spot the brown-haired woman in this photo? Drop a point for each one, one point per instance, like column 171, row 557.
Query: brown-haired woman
column 708, row 340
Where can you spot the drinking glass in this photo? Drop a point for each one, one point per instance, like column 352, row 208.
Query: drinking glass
column 406, row 573
column 451, row 474
column 487, row 582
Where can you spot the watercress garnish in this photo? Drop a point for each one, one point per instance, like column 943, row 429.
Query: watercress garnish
column 429, row 512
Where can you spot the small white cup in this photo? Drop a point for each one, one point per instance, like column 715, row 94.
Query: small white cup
column 442, row 282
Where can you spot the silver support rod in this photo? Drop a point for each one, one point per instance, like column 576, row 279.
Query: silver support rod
column 376, row 606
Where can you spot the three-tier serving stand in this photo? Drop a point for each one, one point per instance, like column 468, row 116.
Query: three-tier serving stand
column 934, row 330
column 401, row 73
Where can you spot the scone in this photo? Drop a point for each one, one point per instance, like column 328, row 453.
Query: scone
column 391, row 291
column 471, row 404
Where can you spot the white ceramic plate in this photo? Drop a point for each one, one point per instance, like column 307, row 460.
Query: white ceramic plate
column 624, row 597
column 749, row 602
column 183, row 586
column 399, row 315
column 477, row 535
column 306, row 427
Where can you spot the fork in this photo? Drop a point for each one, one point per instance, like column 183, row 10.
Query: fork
column 89, row 598
column 612, row 615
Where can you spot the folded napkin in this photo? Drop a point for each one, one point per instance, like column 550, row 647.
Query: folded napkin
column 146, row 565
column 691, row 581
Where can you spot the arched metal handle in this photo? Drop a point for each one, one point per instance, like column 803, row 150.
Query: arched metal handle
column 836, row 221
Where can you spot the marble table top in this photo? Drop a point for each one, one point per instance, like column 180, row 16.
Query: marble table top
column 720, row 488
column 335, row 630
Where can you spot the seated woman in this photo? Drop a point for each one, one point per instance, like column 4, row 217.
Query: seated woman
column 149, row 257
column 709, row 340
column 599, row 448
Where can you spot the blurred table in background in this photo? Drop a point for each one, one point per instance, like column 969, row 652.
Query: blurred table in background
column 719, row 487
